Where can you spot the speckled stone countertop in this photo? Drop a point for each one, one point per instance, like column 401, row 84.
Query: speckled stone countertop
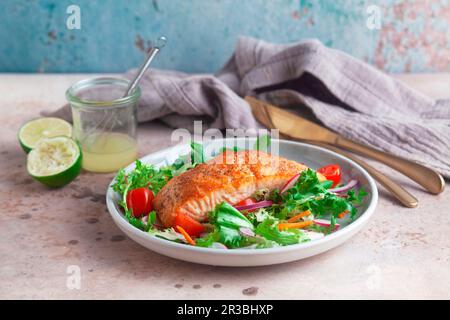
column 401, row 253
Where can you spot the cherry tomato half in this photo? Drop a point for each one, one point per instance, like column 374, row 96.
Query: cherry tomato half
column 140, row 201
column 331, row 172
column 191, row 226
column 246, row 202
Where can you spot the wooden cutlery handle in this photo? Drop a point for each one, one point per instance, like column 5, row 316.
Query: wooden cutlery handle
column 402, row 195
column 428, row 178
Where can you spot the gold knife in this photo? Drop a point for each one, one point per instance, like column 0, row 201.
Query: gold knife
column 300, row 128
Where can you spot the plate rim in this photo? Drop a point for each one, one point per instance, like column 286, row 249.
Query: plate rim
column 118, row 217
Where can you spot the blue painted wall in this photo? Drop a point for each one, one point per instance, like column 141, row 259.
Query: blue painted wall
column 114, row 33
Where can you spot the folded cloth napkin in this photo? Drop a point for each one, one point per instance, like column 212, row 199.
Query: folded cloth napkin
column 341, row 92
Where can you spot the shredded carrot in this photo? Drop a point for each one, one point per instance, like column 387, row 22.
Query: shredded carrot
column 296, row 225
column 342, row 214
column 186, row 235
column 299, row 216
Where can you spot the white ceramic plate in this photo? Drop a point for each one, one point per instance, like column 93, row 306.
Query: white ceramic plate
column 313, row 156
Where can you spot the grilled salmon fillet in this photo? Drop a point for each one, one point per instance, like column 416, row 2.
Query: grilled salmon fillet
column 230, row 177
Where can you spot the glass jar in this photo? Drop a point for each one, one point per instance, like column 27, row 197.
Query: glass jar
column 104, row 122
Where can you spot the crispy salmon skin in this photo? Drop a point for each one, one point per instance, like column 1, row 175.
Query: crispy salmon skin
column 231, row 177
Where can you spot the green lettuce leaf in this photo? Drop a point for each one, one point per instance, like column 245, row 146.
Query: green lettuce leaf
column 269, row 230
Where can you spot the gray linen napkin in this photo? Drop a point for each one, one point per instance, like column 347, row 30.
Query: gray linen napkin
column 341, row 92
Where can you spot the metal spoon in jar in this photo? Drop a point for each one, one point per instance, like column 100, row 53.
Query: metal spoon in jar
column 109, row 122
column 160, row 43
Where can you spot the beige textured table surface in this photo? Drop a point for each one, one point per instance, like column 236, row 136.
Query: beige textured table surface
column 401, row 253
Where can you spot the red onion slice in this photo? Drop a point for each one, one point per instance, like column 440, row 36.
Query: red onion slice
column 290, row 183
column 246, row 232
column 258, row 205
column 218, row 245
column 325, row 223
column 348, row 186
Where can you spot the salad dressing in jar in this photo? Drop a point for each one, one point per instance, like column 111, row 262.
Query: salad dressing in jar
column 108, row 151
column 104, row 123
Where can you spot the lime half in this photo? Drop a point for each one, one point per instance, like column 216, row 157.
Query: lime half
column 35, row 130
column 54, row 161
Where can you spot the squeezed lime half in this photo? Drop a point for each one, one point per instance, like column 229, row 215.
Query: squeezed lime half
column 55, row 162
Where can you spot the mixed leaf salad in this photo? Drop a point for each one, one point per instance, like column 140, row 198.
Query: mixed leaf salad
column 303, row 210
